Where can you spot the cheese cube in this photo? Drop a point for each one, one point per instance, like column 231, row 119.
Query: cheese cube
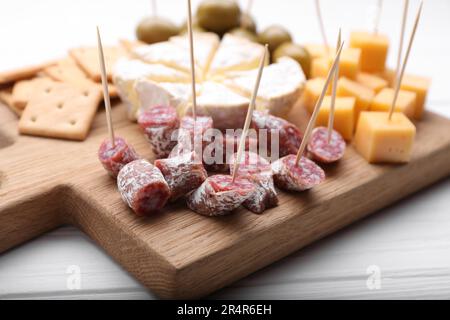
column 349, row 65
column 313, row 90
column 371, row 81
column 374, row 50
column 320, row 67
column 389, row 75
column 420, row 86
column 317, row 50
column 363, row 95
column 380, row 140
column 344, row 119
column 406, row 102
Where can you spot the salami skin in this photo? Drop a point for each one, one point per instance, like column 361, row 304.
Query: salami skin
column 160, row 124
column 229, row 145
column 219, row 195
column 257, row 170
column 115, row 158
column 290, row 137
column 322, row 151
column 182, row 173
column 186, row 134
column 289, row 176
column 143, row 187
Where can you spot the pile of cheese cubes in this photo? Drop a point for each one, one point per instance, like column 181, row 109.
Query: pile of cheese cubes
column 365, row 93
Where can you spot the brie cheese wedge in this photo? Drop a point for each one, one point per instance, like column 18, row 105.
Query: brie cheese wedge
column 127, row 72
column 281, row 86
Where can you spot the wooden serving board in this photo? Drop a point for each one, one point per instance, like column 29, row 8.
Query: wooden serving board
column 45, row 183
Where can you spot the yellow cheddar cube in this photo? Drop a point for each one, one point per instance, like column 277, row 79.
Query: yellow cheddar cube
column 374, row 50
column 371, row 81
column 363, row 95
column 311, row 93
column 406, row 102
column 349, row 65
column 420, row 86
column 389, row 75
column 317, row 50
column 380, row 140
column 320, row 67
column 344, row 119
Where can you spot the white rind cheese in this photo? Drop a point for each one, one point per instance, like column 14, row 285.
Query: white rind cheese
column 127, row 72
column 281, row 85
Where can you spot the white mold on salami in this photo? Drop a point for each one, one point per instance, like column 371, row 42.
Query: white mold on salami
column 114, row 158
column 292, row 177
column 183, row 174
column 142, row 187
column 219, row 195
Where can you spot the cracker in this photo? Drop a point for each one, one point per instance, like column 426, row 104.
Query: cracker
column 22, row 73
column 87, row 60
column 25, row 89
column 68, row 71
column 64, row 111
column 6, row 98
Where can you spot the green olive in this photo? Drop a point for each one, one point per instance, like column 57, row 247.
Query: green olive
column 244, row 33
column 274, row 36
column 156, row 29
column 296, row 52
column 248, row 23
column 219, row 16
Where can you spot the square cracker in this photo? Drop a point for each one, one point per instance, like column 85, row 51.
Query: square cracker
column 22, row 73
column 67, row 71
column 6, row 98
column 24, row 90
column 64, row 111
column 87, row 60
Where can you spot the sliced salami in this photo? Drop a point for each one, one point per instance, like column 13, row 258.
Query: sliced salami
column 187, row 132
column 219, row 195
column 160, row 124
column 217, row 155
column 323, row 151
column 257, row 170
column 290, row 137
column 114, row 158
column 304, row 176
column 182, row 173
column 143, row 187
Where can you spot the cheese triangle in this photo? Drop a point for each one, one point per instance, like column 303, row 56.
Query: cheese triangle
column 280, row 88
column 235, row 54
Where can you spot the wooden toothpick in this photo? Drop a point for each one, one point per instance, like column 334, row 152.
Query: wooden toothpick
column 333, row 94
column 405, row 61
column 191, row 47
column 376, row 26
column 105, row 89
column 251, row 108
column 312, row 121
column 322, row 27
column 402, row 37
column 154, row 8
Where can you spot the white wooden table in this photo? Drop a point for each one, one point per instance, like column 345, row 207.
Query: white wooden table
column 406, row 247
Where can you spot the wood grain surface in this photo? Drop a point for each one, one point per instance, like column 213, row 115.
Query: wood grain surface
column 46, row 183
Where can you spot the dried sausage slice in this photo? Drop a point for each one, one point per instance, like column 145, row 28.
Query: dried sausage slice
column 290, row 137
column 160, row 124
column 143, row 187
column 182, row 173
column 257, row 170
column 115, row 158
column 219, row 195
column 187, row 133
column 304, row 176
column 322, row 151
